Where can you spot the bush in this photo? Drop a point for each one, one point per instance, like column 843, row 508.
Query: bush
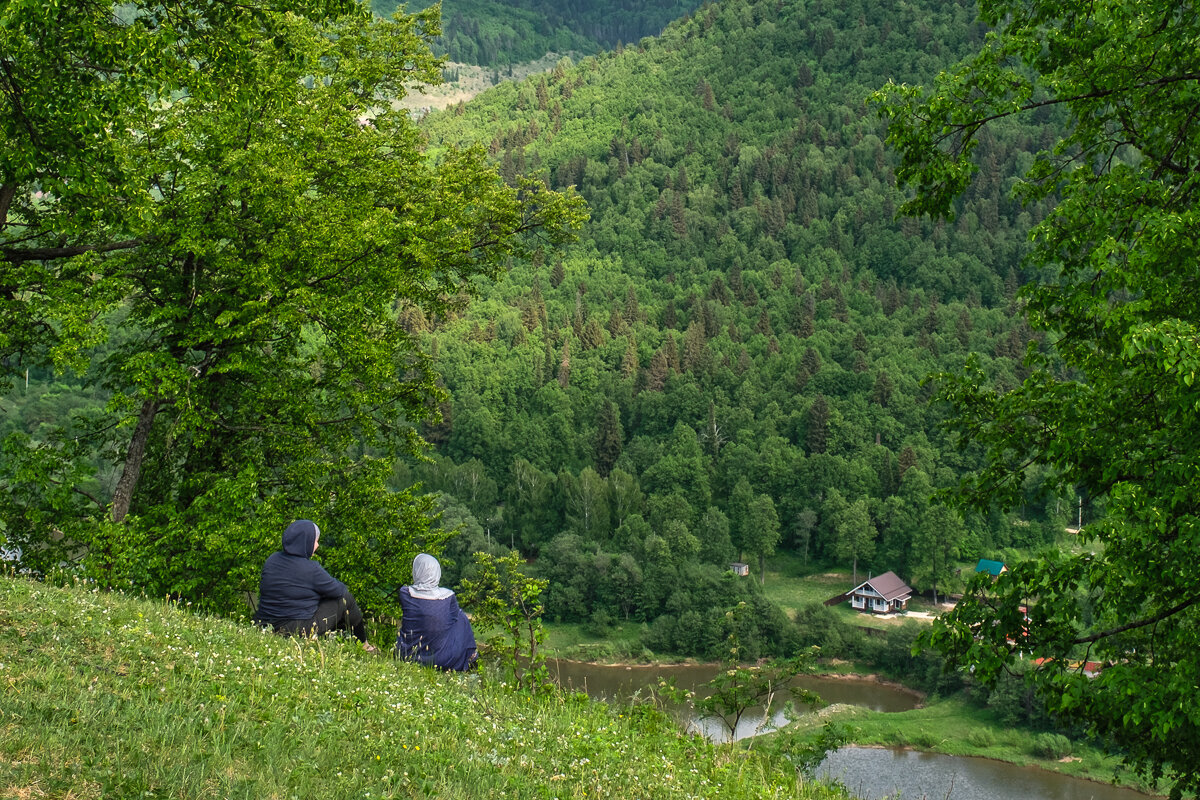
column 1051, row 745
column 927, row 740
column 600, row 624
column 981, row 738
column 661, row 635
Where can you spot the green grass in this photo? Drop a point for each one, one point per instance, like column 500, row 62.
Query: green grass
column 791, row 585
column 620, row 643
column 108, row 696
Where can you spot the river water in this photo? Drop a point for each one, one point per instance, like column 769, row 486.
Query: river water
column 876, row 773
column 620, row 683
column 869, row 773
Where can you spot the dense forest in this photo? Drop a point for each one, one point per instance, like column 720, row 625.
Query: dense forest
column 656, row 310
column 732, row 360
column 500, row 32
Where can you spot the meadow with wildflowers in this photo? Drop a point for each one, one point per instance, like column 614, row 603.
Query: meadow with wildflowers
column 103, row 695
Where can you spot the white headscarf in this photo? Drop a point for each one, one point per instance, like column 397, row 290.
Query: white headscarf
column 427, row 573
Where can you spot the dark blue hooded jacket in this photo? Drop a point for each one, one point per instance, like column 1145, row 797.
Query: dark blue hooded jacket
column 292, row 583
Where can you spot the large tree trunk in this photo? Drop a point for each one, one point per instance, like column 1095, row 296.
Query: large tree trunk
column 123, row 494
column 7, row 193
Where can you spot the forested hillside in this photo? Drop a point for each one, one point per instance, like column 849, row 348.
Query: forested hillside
column 499, row 32
column 731, row 360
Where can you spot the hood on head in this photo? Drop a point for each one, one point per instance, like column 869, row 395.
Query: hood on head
column 300, row 538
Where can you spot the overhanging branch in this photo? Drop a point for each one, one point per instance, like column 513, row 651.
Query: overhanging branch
column 19, row 255
column 1095, row 637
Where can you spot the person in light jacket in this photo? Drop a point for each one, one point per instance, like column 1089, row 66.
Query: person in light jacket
column 434, row 631
column 297, row 596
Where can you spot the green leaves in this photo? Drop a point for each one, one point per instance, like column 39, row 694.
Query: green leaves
column 507, row 605
column 262, row 226
column 1118, row 419
column 740, row 689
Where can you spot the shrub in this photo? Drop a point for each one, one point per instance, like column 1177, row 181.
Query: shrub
column 600, row 624
column 926, row 740
column 981, row 737
column 1051, row 745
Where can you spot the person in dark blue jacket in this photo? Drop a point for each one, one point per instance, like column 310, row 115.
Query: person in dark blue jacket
column 434, row 631
column 297, row 596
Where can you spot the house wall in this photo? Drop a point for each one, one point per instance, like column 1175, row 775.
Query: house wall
column 867, row 600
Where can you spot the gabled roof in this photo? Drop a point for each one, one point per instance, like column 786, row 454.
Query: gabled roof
column 888, row 585
column 993, row 568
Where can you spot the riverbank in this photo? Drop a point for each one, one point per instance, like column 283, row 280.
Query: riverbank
column 950, row 726
column 953, row 726
column 843, row 670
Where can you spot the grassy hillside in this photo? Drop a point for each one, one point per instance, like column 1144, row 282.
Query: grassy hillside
column 107, row 696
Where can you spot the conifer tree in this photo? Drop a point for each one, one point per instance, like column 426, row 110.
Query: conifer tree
column 609, row 438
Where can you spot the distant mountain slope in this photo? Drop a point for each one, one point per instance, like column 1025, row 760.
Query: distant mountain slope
column 743, row 306
column 501, row 32
column 763, row 103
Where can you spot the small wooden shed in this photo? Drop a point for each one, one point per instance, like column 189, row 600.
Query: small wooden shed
column 993, row 568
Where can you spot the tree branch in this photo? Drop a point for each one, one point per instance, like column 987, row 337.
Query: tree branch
column 974, row 125
column 88, row 495
column 17, row 256
column 1095, row 637
column 7, row 192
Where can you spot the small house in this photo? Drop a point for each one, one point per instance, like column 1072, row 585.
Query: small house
column 993, row 568
column 740, row 569
column 882, row 594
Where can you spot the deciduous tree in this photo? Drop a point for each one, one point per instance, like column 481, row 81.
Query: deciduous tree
column 1119, row 303
column 222, row 183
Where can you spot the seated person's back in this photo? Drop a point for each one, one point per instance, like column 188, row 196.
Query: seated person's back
column 433, row 630
column 297, row 596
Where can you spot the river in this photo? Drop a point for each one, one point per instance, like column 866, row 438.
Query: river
column 876, row 773
column 869, row 773
column 621, row 683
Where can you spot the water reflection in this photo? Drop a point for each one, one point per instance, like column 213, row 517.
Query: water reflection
column 877, row 773
column 870, row 773
column 621, row 683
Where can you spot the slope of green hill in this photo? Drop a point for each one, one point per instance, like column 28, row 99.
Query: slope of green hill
column 731, row 360
column 108, row 696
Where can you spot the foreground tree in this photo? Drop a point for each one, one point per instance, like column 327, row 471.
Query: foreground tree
column 1114, row 409
column 81, row 87
column 507, row 607
column 256, row 229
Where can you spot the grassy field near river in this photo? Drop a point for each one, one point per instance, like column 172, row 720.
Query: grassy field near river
column 103, row 695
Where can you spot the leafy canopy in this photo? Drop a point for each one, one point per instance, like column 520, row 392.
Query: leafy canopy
column 1114, row 408
column 231, row 189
